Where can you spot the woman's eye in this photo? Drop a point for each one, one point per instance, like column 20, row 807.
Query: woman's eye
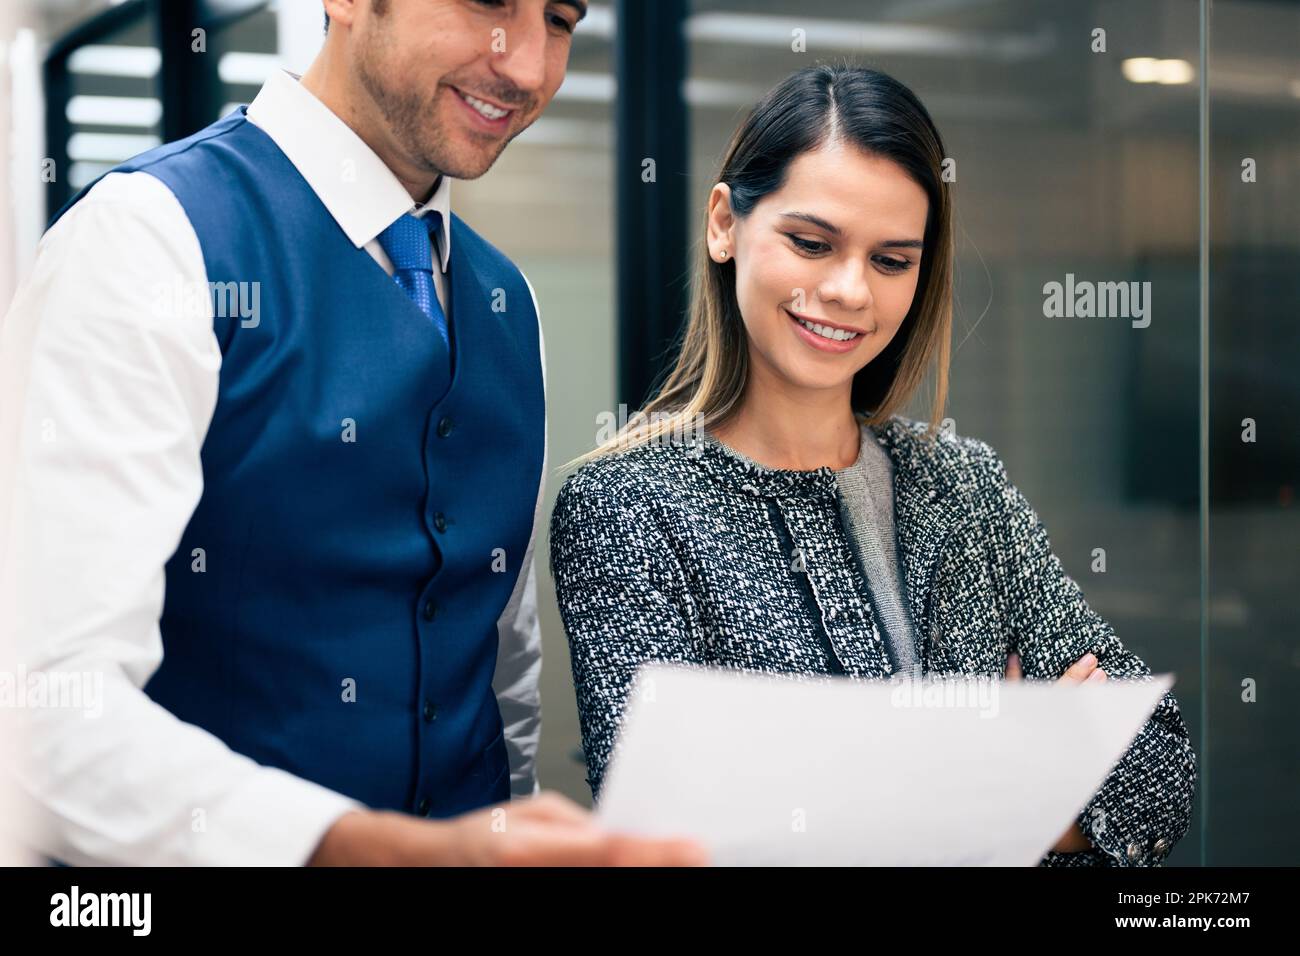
column 808, row 245
column 893, row 265
column 815, row 247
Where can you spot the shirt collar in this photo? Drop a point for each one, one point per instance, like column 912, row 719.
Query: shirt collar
column 351, row 181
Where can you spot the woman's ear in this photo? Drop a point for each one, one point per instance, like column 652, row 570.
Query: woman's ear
column 721, row 232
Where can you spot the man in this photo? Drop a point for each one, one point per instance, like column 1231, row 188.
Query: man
column 330, row 467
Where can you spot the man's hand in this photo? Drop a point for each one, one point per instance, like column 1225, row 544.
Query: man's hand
column 1082, row 671
column 545, row 830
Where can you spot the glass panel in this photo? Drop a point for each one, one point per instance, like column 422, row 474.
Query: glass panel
column 1254, row 444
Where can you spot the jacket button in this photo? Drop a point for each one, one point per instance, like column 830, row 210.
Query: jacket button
column 430, row 712
column 422, row 807
column 440, row 522
column 429, row 610
column 1134, row 853
column 444, row 427
column 1160, row 848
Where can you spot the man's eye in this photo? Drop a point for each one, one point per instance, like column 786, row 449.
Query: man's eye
column 555, row 19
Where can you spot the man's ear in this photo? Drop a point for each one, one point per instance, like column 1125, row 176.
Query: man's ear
column 341, row 11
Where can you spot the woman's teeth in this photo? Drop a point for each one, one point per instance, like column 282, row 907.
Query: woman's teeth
column 487, row 110
column 826, row 332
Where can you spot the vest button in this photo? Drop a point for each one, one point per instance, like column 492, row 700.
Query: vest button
column 430, row 712
column 430, row 609
column 440, row 521
column 422, row 807
column 444, row 427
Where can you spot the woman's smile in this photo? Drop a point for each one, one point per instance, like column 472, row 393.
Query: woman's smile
column 825, row 336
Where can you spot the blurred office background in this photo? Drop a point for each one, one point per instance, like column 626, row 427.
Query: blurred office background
column 1070, row 160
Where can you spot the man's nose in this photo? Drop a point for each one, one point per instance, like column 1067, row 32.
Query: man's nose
column 519, row 54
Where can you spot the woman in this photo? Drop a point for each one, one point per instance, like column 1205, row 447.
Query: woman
column 771, row 511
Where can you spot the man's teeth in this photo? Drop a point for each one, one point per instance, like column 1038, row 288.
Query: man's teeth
column 486, row 109
column 826, row 332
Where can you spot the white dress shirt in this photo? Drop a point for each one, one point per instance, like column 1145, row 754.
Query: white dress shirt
column 104, row 404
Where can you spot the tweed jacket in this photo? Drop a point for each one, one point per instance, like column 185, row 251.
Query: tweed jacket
column 683, row 552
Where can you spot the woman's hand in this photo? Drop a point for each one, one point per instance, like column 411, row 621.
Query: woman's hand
column 1082, row 671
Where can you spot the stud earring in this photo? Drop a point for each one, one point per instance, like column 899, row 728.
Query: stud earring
column 722, row 254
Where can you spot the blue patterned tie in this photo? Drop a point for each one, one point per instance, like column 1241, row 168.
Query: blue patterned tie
column 407, row 243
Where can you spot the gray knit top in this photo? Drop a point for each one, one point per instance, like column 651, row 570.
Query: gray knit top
column 866, row 503
column 867, row 508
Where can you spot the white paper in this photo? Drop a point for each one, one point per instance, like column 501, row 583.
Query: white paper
column 767, row 770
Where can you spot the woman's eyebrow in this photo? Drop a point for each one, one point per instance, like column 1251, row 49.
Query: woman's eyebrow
column 817, row 221
column 834, row 230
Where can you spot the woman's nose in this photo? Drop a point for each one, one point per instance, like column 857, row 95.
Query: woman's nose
column 849, row 287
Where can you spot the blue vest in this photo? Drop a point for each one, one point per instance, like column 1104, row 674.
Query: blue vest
column 331, row 608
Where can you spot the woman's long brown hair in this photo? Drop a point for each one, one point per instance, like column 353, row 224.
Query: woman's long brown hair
column 814, row 106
